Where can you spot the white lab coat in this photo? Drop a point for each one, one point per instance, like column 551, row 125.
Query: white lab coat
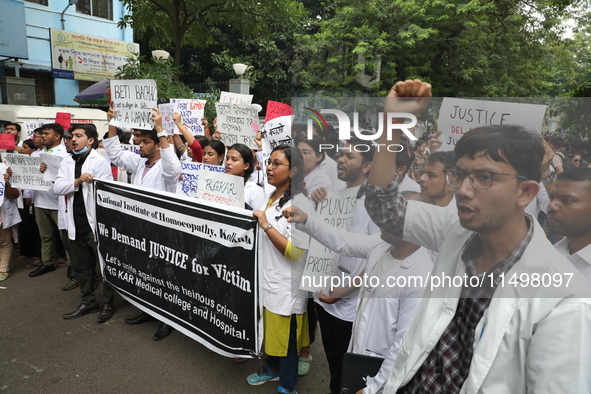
column 163, row 176
column 526, row 342
column 255, row 196
column 581, row 259
column 96, row 165
column 10, row 215
column 380, row 322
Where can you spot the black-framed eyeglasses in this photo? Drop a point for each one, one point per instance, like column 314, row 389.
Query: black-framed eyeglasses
column 274, row 164
column 478, row 179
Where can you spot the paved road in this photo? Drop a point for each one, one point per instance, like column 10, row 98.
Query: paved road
column 42, row 353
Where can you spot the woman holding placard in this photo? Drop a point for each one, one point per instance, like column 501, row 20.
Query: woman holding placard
column 240, row 162
column 282, row 253
column 214, row 153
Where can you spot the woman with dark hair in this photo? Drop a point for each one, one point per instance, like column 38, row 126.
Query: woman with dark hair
column 28, row 147
column 214, row 153
column 240, row 162
column 282, row 251
column 420, row 161
column 315, row 177
column 575, row 160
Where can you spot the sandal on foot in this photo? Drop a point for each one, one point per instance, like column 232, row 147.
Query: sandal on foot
column 61, row 262
column 35, row 263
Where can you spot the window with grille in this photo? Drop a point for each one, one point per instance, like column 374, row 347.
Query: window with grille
column 98, row 8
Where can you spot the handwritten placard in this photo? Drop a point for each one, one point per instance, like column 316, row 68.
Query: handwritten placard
column 32, row 125
column 2, row 189
column 53, row 163
column 190, row 173
column 25, row 172
column 458, row 116
column 64, row 119
column 276, row 132
column 191, row 113
column 276, row 110
column 131, row 148
column 221, row 188
column 7, row 141
column 235, row 98
column 337, row 210
column 133, row 101
column 167, row 110
column 235, row 123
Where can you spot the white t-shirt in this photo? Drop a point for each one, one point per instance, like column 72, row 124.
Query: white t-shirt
column 581, row 259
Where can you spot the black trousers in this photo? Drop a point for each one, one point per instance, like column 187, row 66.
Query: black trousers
column 336, row 334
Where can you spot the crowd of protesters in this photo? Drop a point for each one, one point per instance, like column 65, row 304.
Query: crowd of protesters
column 490, row 211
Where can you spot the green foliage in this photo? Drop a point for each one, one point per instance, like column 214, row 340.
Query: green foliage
column 161, row 71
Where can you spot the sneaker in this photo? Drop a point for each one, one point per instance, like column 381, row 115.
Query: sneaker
column 4, row 276
column 281, row 390
column 72, row 284
column 266, row 375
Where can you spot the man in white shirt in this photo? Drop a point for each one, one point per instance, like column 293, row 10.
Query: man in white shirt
column 46, row 203
column 157, row 167
column 432, row 181
column 569, row 214
column 15, row 130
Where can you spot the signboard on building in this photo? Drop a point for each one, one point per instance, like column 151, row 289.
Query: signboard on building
column 87, row 58
column 13, row 30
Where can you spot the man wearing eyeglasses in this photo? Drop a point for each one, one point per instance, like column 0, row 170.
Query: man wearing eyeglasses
column 485, row 334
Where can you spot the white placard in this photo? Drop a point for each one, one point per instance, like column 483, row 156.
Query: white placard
column 235, row 98
column 235, row 122
column 167, row 110
column 53, row 163
column 25, row 172
column 337, row 210
column 133, row 101
column 277, row 132
column 190, row 173
column 131, row 148
column 191, row 110
column 2, row 190
column 458, row 116
column 221, row 188
column 32, row 125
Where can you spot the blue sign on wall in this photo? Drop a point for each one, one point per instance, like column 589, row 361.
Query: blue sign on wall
column 13, row 30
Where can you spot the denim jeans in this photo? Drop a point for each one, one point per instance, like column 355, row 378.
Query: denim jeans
column 288, row 365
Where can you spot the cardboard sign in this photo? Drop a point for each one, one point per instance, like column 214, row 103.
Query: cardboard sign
column 133, row 101
column 7, row 141
column 167, row 110
column 25, row 172
column 64, row 119
column 277, row 132
column 235, row 123
column 276, row 110
column 189, row 263
column 31, row 125
column 53, row 163
column 337, row 210
column 458, row 116
column 190, row 173
column 235, row 98
column 191, row 111
column 221, row 188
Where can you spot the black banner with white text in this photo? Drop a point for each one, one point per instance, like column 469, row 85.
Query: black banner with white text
column 189, row 263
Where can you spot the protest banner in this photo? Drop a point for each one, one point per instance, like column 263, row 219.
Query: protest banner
column 276, row 110
column 7, row 141
column 191, row 111
column 25, row 172
column 190, row 172
column 168, row 124
column 133, row 101
column 337, row 210
column 189, row 263
column 31, row 126
column 458, row 116
column 277, row 132
column 221, row 188
column 235, row 123
column 235, row 98
column 131, row 148
column 53, row 163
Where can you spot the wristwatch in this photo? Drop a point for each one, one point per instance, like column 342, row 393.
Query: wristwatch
column 269, row 227
column 162, row 134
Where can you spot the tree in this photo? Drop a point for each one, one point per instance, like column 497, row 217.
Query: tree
column 190, row 22
column 465, row 48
